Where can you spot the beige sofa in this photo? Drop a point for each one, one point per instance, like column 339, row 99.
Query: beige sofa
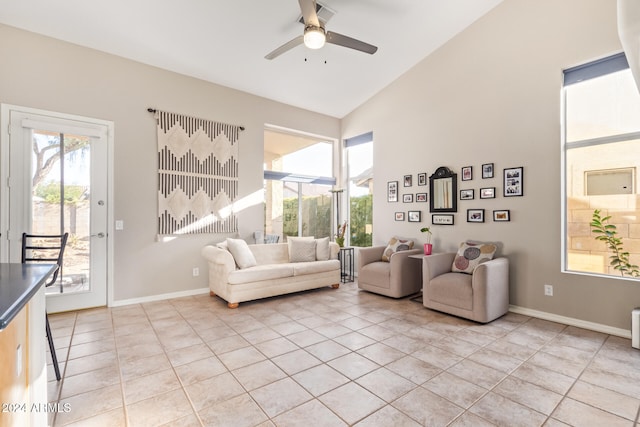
column 273, row 275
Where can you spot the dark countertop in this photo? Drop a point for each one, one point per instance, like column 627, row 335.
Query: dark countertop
column 18, row 284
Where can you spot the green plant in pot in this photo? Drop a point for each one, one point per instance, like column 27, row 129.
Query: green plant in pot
column 427, row 246
column 607, row 233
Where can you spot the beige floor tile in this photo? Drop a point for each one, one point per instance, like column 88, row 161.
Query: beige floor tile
column 280, row 396
column 139, row 351
column 227, row 344
column 132, row 368
column 381, row 354
column 320, row 379
column 242, row 357
column 376, row 332
column 289, row 327
column 607, row 400
column 200, row 370
column 483, row 376
column 241, row 411
column 579, row 414
column 351, row 402
column 353, row 365
column 427, row 408
column 518, row 351
column 544, row 378
column 113, row 418
column 97, row 379
column 185, row 355
column 554, row 363
column 469, row 419
column 437, row 357
column 388, row 416
column 142, row 388
column 310, row 413
column 528, row 394
column 356, row 323
column 276, row 347
column 458, row 347
column 90, row 348
column 160, row 409
column 306, row 338
column 90, row 363
column 214, row 390
column 386, row 384
column 90, row 404
column 327, row 350
column 455, row 389
column 258, row 375
column 498, row 361
column 404, row 343
column 257, row 336
column 100, row 334
column 415, row 370
column 296, row 361
column 504, row 412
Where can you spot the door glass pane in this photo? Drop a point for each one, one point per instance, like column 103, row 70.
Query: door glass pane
column 60, row 201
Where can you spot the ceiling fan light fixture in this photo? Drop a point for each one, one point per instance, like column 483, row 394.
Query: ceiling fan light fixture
column 314, row 37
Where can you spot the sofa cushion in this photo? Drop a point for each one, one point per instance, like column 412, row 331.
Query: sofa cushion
column 302, row 250
column 376, row 273
column 260, row 272
column 396, row 244
column 323, row 253
column 302, row 268
column 472, row 254
column 452, row 289
column 241, row 253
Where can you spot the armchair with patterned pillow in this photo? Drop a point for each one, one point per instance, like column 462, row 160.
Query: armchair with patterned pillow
column 470, row 283
column 388, row 270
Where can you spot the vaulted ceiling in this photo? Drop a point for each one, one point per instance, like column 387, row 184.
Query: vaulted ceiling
column 225, row 42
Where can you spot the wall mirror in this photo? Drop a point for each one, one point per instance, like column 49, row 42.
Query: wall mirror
column 443, row 185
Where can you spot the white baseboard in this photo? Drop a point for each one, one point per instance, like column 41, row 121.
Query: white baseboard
column 624, row 333
column 160, row 297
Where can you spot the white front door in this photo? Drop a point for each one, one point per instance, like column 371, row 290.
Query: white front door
column 57, row 183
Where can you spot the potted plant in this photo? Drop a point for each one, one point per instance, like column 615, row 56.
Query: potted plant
column 427, row 246
column 340, row 234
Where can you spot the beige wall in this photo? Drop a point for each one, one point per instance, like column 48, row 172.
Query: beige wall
column 492, row 94
column 44, row 73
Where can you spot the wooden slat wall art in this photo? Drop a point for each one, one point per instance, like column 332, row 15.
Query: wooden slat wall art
column 197, row 175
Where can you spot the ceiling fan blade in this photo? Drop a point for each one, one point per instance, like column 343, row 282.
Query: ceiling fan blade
column 285, row 47
column 308, row 8
column 351, row 43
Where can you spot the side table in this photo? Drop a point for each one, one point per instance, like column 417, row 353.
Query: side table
column 346, row 257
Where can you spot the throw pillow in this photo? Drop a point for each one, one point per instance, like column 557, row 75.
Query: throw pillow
column 302, row 250
column 241, row 253
column 472, row 254
column 396, row 244
column 323, row 253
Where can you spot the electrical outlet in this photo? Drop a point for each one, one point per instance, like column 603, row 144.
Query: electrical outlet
column 548, row 290
column 196, row 271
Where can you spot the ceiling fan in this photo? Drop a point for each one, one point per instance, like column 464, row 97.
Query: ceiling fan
column 315, row 36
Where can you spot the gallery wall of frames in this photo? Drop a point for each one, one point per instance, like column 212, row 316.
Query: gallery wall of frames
column 475, row 186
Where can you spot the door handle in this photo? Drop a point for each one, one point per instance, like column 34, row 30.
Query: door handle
column 100, row 235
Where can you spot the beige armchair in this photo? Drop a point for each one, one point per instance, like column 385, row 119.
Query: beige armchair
column 397, row 278
column 482, row 296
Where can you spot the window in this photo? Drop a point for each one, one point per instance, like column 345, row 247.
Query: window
column 360, row 175
column 298, row 182
column 601, row 156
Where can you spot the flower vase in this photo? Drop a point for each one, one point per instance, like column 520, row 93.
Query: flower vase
column 340, row 241
column 427, row 248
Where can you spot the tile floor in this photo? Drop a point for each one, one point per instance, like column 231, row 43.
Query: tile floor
column 334, row 358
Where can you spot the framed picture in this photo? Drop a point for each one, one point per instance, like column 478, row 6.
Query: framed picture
column 422, row 178
column 442, row 219
column 467, row 173
column 475, row 215
column 421, row 197
column 513, row 182
column 407, row 198
column 399, row 216
column 408, row 180
column 488, row 193
column 487, row 170
column 466, row 194
column 414, row 216
column 392, row 191
column 501, row 215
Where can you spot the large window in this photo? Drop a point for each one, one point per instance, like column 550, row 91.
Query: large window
column 298, row 182
column 602, row 161
column 360, row 175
